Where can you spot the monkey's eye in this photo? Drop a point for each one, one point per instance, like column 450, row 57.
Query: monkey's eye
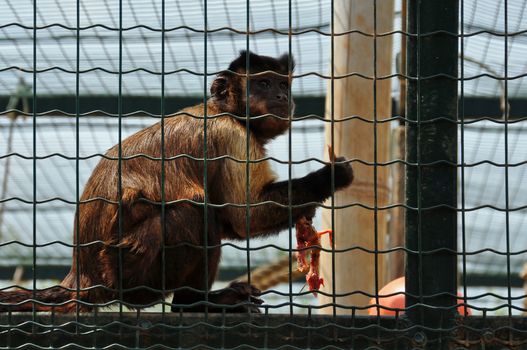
column 284, row 86
column 264, row 84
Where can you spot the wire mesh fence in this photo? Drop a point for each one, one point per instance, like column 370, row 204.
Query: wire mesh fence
column 100, row 160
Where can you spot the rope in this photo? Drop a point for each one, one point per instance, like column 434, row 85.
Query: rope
column 268, row 276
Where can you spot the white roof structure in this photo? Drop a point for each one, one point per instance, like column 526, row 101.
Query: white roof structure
column 184, row 42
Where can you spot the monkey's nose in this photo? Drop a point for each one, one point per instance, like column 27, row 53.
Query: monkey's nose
column 281, row 97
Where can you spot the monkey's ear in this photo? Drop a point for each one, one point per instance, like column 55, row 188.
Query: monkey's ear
column 241, row 61
column 218, row 89
column 284, row 62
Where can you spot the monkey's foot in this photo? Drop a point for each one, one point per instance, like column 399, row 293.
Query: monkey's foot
column 242, row 293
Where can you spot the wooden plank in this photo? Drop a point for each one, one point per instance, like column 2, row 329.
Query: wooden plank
column 354, row 226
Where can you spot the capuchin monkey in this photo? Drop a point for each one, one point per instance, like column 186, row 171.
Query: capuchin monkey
column 122, row 226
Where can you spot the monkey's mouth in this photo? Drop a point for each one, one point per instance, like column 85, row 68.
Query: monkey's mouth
column 280, row 110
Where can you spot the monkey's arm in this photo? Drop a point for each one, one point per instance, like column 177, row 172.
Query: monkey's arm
column 313, row 188
column 269, row 201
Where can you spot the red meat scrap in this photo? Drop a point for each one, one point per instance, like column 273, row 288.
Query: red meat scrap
column 308, row 242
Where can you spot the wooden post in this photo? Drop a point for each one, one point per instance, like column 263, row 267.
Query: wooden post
column 395, row 263
column 354, row 226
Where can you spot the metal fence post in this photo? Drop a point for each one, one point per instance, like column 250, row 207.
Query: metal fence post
column 431, row 153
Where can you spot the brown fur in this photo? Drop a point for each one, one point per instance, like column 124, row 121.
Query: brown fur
column 140, row 233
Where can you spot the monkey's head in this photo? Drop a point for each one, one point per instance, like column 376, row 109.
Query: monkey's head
column 268, row 85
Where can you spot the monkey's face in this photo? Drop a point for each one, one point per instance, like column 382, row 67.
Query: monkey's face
column 270, row 104
column 269, row 94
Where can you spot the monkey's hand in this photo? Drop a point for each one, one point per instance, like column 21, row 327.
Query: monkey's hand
column 343, row 173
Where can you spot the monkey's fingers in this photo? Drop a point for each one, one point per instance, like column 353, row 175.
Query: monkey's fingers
column 254, row 294
column 331, row 154
column 245, row 289
column 255, row 291
column 254, row 297
column 256, row 300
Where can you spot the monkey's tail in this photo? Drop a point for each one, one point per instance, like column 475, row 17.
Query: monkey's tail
column 28, row 300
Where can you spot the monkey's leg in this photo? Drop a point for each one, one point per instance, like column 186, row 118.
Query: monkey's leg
column 201, row 262
column 143, row 255
column 196, row 289
column 133, row 263
column 134, row 210
column 193, row 287
column 237, row 293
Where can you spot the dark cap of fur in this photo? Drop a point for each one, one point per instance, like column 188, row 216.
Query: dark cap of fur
column 259, row 63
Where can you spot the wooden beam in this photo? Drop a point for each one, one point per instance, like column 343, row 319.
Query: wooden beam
column 356, row 270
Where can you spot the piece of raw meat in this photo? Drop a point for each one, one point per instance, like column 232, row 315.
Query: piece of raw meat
column 308, row 242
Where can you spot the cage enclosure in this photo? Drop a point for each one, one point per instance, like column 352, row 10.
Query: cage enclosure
column 426, row 101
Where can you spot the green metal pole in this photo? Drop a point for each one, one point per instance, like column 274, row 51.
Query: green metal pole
column 431, row 176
